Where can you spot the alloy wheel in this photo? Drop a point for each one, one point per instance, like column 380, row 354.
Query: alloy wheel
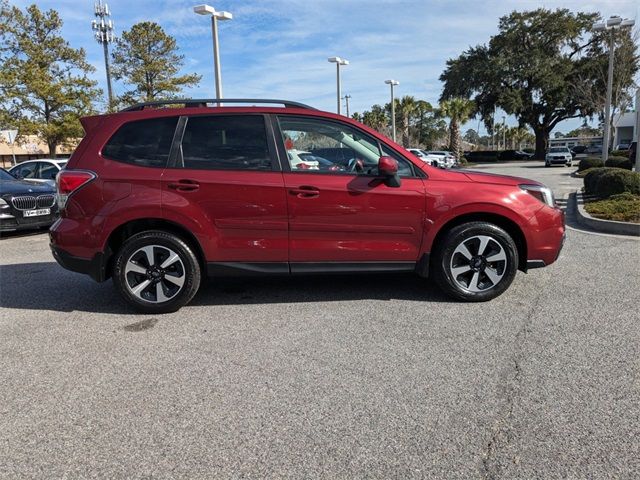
column 154, row 274
column 478, row 263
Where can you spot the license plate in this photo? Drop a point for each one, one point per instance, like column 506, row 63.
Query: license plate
column 37, row 213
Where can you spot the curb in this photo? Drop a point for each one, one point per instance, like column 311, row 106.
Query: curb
column 606, row 226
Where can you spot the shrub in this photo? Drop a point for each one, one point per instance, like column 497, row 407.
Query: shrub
column 604, row 182
column 626, row 196
column 590, row 162
column 591, row 180
column 623, row 207
column 619, row 153
column 618, row 162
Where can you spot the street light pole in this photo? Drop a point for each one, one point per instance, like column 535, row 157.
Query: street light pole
column 637, row 129
column 215, row 16
column 103, row 28
column 611, row 24
column 504, row 135
column 338, row 61
column 392, row 83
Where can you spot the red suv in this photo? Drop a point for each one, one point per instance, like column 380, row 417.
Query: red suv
column 157, row 197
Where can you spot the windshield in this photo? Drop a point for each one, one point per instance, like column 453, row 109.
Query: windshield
column 4, row 175
column 559, row 150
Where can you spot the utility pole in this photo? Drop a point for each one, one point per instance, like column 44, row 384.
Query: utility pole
column 346, row 101
column 103, row 32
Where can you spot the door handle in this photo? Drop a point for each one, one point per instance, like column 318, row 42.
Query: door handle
column 184, row 185
column 305, row 191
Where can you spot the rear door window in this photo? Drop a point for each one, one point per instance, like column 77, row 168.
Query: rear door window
column 143, row 142
column 225, row 142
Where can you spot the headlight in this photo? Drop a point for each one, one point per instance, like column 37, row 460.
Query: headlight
column 3, row 204
column 544, row 194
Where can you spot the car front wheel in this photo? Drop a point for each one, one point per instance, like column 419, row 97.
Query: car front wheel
column 156, row 272
column 475, row 262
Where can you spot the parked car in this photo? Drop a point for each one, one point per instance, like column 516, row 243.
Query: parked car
column 445, row 159
column 25, row 204
column 558, row 156
column 43, row 170
column 514, row 155
column 157, row 198
column 578, row 149
column 593, row 150
column 623, row 146
column 434, row 160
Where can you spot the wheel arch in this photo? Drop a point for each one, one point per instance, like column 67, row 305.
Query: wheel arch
column 508, row 225
column 120, row 234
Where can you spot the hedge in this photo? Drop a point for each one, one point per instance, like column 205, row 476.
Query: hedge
column 604, row 182
column 620, row 153
column 618, row 162
column 589, row 162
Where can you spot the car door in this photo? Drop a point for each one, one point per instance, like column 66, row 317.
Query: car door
column 226, row 177
column 47, row 172
column 347, row 213
column 27, row 171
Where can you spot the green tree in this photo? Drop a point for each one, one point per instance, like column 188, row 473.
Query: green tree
column 145, row 59
column 375, row 118
column 458, row 110
column 535, row 69
column 43, row 80
column 471, row 136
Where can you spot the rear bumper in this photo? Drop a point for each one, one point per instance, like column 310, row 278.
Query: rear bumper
column 94, row 267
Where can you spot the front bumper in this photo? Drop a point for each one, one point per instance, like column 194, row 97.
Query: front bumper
column 11, row 223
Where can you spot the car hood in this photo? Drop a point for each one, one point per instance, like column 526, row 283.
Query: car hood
column 494, row 178
column 24, row 187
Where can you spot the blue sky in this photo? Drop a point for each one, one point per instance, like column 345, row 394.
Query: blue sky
column 279, row 48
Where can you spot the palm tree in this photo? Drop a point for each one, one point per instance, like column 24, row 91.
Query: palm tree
column 376, row 118
column 406, row 109
column 458, row 110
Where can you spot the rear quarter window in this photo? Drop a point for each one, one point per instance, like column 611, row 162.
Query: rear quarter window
column 142, row 142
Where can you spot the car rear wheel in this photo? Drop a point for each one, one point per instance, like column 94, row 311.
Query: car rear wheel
column 156, row 272
column 475, row 262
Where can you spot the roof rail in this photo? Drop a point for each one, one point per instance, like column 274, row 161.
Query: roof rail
column 202, row 102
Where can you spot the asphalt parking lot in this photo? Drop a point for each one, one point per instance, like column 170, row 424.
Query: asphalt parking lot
column 326, row 377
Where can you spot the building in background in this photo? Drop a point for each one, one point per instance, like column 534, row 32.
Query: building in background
column 29, row 148
column 574, row 141
column 624, row 129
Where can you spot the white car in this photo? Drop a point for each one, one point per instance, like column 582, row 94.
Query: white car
column 445, row 159
column 425, row 157
column 43, row 170
column 301, row 160
column 558, row 156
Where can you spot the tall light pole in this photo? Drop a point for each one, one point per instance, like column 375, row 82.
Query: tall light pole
column 612, row 24
column 103, row 32
column 637, row 130
column 504, row 134
column 215, row 16
column 338, row 61
column 392, row 83
column 346, row 101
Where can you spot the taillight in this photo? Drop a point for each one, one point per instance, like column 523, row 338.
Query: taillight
column 303, row 166
column 69, row 181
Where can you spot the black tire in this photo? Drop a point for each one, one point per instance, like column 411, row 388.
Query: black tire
column 184, row 269
column 447, row 258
